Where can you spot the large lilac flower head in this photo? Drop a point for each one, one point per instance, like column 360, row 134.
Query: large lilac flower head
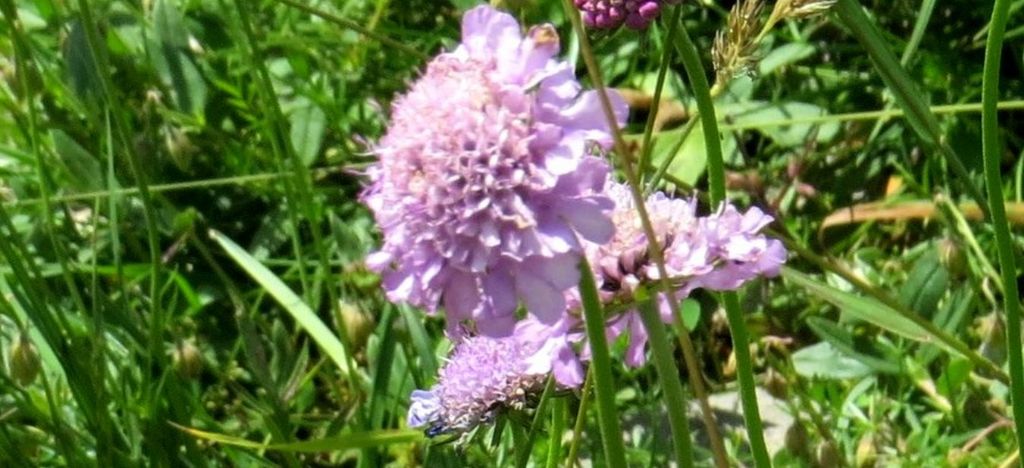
column 482, row 376
column 610, row 14
column 487, row 178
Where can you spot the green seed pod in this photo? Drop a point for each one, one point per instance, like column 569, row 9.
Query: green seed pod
column 867, row 453
column 776, row 384
column 24, row 362
column 827, row 455
column 180, row 148
column 952, row 257
column 358, row 324
column 795, row 440
column 187, row 359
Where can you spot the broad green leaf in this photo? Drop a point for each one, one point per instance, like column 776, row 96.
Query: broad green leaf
column 421, row 341
column 691, row 159
column 690, row 310
column 82, row 70
column 784, row 55
column 765, row 117
column 291, row 303
column 954, row 377
column 308, row 123
column 169, row 24
column 825, row 361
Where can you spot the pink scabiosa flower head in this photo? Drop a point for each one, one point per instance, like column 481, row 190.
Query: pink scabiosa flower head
column 610, row 14
column 482, row 376
column 719, row 252
column 487, row 178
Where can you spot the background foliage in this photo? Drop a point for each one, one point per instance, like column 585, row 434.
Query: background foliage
column 179, row 188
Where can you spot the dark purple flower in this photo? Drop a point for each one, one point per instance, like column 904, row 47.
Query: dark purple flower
column 610, row 14
column 487, row 180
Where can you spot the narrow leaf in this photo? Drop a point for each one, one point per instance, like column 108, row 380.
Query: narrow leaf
column 868, row 310
column 329, row 444
column 291, row 303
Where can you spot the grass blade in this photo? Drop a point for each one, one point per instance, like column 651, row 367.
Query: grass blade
column 992, row 150
column 329, row 444
column 291, row 303
column 907, row 94
column 601, row 366
column 868, row 310
column 668, row 376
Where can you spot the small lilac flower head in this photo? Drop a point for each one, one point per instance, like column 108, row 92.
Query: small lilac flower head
column 486, row 179
column 719, row 252
column 483, row 375
column 610, row 14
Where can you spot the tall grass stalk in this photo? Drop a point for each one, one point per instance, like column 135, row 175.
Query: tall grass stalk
column 581, row 417
column 654, row 245
column 646, row 148
column 152, row 389
column 690, row 56
column 301, row 186
column 992, row 150
column 559, row 414
column 671, row 388
column 601, row 366
column 907, row 94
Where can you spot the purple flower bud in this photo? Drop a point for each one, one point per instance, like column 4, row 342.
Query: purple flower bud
column 610, row 14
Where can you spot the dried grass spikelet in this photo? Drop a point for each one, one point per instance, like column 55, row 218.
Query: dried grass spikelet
column 735, row 48
column 796, row 9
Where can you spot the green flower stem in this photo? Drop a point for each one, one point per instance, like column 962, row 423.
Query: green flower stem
column 993, row 180
column 526, row 448
column 581, row 419
column 653, row 244
column 690, row 56
column 668, row 374
column 559, row 412
column 601, row 366
column 666, row 58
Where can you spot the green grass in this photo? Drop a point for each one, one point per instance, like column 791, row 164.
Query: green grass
column 181, row 239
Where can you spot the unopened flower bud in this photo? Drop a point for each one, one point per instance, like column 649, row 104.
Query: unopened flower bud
column 952, row 257
column 24, row 361
column 776, row 384
column 867, row 453
column 795, row 439
column 827, row 455
column 187, row 360
column 180, row 147
column 358, row 324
